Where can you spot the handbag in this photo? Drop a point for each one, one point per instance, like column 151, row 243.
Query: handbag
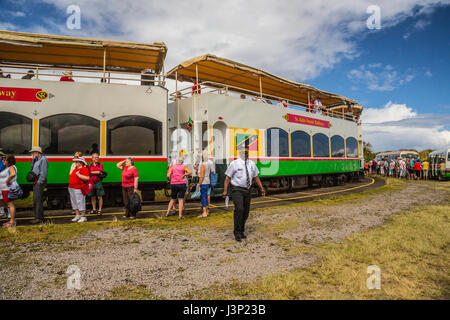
column 102, row 175
column 31, row 176
column 87, row 187
column 196, row 194
column 213, row 177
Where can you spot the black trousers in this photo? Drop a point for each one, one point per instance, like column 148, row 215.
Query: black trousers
column 241, row 199
column 38, row 201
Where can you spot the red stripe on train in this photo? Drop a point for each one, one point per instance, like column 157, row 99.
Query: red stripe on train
column 69, row 159
column 299, row 159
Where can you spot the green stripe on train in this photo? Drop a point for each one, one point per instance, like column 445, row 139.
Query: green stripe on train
column 58, row 172
column 287, row 168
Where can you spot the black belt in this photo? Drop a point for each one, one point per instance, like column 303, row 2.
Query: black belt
column 239, row 188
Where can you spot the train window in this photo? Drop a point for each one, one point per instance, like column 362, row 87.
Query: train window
column 337, row 147
column 15, row 133
column 134, row 135
column 300, row 144
column 352, row 147
column 321, row 146
column 65, row 134
column 277, row 142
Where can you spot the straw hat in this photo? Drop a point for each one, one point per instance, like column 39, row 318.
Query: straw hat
column 68, row 73
column 80, row 159
column 36, row 149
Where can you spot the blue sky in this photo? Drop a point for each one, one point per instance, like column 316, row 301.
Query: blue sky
column 399, row 73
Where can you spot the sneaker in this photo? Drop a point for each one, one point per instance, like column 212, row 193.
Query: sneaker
column 3, row 215
column 82, row 219
column 76, row 218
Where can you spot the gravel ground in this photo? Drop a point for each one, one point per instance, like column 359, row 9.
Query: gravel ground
column 173, row 264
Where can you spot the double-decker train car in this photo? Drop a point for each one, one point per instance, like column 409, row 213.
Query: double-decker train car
column 292, row 144
column 439, row 164
column 394, row 155
column 104, row 116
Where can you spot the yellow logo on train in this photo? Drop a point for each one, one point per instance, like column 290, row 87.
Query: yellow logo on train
column 41, row 95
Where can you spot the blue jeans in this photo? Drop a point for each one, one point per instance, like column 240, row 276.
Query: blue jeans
column 204, row 194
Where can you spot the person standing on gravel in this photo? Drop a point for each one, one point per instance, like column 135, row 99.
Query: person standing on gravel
column 39, row 167
column 241, row 173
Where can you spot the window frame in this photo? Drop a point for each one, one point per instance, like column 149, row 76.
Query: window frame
column 98, row 128
column 269, row 142
column 159, row 127
column 327, row 148
column 346, row 147
column 308, row 140
column 22, row 117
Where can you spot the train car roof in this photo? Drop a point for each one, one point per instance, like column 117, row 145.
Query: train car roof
column 227, row 72
column 62, row 51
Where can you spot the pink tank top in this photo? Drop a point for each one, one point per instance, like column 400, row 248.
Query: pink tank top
column 177, row 173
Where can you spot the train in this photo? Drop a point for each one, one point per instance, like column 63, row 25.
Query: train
column 123, row 109
column 394, row 155
column 439, row 164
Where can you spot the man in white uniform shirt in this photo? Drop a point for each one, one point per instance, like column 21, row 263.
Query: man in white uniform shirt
column 241, row 173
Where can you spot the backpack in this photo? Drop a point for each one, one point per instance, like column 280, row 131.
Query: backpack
column 134, row 205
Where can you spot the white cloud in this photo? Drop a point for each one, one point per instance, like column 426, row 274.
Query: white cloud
column 379, row 78
column 390, row 112
column 396, row 126
column 428, row 73
column 294, row 39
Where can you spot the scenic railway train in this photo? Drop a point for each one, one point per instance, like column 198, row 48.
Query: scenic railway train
column 119, row 106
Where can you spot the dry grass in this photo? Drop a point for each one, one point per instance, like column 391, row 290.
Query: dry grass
column 412, row 250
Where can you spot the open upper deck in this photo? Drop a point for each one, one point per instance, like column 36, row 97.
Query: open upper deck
column 100, row 58
column 224, row 76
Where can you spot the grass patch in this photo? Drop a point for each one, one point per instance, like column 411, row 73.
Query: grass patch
column 412, row 250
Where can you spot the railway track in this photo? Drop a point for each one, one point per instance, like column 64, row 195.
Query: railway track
column 155, row 210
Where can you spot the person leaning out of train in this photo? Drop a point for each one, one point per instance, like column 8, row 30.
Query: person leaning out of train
column 177, row 174
column 8, row 180
column 130, row 177
column 78, row 177
column 95, row 169
column 67, row 76
column 204, row 183
column 3, row 76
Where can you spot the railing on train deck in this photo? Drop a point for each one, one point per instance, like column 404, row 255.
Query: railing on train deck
column 213, row 87
column 145, row 78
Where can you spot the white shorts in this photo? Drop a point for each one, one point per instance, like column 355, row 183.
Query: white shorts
column 77, row 199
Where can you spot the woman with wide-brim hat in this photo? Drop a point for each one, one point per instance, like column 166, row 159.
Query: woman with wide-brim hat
column 78, row 177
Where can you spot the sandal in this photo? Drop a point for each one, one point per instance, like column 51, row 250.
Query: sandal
column 132, row 218
column 93, row 212
column 99, row 212
column 9, row 224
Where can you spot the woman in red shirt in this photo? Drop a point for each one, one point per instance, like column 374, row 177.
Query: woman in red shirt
column 130, row 177
column 78, row 177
